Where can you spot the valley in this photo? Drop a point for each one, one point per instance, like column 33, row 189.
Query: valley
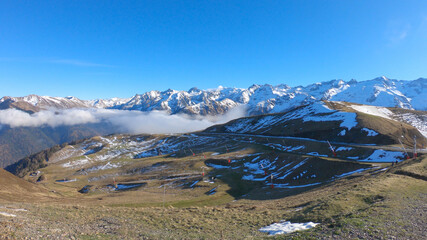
column 168, row 196
column 216, row 120
column 57, row 120
column 228, row 181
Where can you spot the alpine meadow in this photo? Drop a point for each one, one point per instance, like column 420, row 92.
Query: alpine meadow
column 213, row 119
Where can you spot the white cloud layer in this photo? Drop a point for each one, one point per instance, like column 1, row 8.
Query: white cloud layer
column 133, row 122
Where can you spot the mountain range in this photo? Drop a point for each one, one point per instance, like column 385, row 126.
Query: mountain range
column 259, row 99
column 408, row 96
column 336, row 153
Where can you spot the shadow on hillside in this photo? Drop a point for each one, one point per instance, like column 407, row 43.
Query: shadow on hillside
column 317, row 172
column 241, row 189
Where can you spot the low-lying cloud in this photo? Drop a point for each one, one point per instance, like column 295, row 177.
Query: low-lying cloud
column 52, row 118
column 134, row 122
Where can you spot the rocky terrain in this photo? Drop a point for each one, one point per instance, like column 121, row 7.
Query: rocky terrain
column 228, row 181
column 404, row 99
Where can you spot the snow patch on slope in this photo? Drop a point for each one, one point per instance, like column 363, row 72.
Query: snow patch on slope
column 419, row 121
column 384, row 156
column 287, row 227
column 373, row 110
column 371, row 133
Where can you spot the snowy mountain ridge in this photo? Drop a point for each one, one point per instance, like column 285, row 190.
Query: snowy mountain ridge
column 259, row 99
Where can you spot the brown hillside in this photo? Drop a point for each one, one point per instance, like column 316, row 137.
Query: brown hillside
column 8, row 103
column 13, row 188
column 293, row 124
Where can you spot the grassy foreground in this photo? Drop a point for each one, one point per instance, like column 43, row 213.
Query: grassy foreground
column 386, row 205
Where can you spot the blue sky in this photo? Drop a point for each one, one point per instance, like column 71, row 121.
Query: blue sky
column 103, row 49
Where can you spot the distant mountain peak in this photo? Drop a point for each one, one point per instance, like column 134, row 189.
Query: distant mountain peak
column 194, row 90
column 257, row 99
column 381, row 78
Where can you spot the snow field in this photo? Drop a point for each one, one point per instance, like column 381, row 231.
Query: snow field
column 373, row 110
column 284, row 227
column 384, row 156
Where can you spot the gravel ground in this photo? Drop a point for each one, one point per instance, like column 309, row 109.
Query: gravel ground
column 44, row 222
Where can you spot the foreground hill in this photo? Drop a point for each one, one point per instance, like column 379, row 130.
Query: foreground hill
column 305, row 130
column 232, row 180
column 334, row 121
column 13, row 188
column 214, row 186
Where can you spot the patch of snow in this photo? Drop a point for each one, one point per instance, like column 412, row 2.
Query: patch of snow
column 384, row 156
column 108, row 156
column 253, row 178
column 287, row 227
column 7, row 214
column 350, row 173
column 316, row 154
column 349, row 120
column 382, row 170
column 194, row 183
column 300, row 175
column 342, row 133
column 253, row 160
column 66, row 153
column 371, row 133
column 293, row 168
column 212, row 191
column 127, row 186
column 295, row 148
column 417, row 121
column 16, row 209
column 320, row 113
column 103, row 167
column 373, row 110
column 208, row 181
column 66, row 180
column 286, row 185
column 76, row 163
column 239, row 126
column 254, row 168
column 343, row 149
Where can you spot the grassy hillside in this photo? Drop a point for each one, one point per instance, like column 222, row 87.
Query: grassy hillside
column 226, row 185
column 371, row 206
column 333, row 121
column 13, row 188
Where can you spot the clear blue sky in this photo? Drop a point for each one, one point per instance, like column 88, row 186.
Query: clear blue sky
column 102, row 49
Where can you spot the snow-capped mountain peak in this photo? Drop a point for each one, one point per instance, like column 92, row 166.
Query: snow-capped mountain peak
column 258, row 99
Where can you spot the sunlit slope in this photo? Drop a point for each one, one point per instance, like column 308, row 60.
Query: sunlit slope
column 351, row 207
column 333, row 121
column 200, row 168
column 13, row 188
column 295, row 151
